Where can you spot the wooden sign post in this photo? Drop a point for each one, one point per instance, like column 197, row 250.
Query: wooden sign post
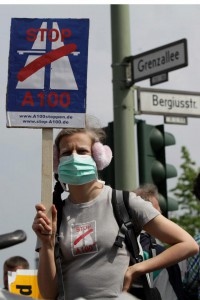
column 47, row 169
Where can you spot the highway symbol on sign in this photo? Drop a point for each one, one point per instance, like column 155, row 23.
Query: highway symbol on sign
column 32, row 75
column 47, row 73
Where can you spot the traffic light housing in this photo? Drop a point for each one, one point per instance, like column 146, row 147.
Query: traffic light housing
column 152, row 141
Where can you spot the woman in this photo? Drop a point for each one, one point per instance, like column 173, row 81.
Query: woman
column 92, row 267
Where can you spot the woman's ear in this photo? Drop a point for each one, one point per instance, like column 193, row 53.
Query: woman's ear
column 102, row 155
column 55, row 159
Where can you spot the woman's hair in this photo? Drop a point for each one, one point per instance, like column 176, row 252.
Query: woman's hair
column 97, row 134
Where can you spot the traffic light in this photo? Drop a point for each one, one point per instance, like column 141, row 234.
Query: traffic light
column 152, row 141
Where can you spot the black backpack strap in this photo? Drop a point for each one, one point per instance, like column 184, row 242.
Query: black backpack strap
column 57, row 255
column 120, row 238
column 57, row 201
column 126, row 229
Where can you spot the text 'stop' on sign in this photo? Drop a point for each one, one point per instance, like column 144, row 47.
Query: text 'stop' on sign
column 47, row 73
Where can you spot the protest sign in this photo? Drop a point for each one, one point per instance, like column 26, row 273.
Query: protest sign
column 47, row 73
column 47, row 80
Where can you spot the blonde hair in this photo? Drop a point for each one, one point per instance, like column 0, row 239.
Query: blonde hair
column 96, row 133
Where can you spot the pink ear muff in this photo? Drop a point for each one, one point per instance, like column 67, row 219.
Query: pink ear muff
column 102, row 155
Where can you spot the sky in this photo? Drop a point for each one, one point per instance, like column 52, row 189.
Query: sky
column 152, row 26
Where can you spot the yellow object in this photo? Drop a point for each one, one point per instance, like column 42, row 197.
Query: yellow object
column 24, row 282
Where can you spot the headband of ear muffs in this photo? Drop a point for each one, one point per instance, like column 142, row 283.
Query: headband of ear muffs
column 102, row 155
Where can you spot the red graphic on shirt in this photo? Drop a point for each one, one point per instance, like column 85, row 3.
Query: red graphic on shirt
column 83, row 238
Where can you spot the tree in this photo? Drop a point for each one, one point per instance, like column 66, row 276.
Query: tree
column 189, row 206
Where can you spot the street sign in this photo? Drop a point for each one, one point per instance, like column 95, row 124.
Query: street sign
column 175, row 120
column 158, row 61
column 159, row 78
column 47, row 73
column 168, row 102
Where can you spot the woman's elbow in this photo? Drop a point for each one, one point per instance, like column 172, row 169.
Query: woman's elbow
column 194, row 248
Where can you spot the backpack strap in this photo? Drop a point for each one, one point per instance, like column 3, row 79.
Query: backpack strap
column 57, row 201
column 57, row 255
column 126, row 229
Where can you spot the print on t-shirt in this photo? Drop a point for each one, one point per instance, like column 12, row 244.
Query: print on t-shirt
column 83, row 238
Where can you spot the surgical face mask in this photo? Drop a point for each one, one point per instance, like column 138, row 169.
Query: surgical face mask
column 77, row 169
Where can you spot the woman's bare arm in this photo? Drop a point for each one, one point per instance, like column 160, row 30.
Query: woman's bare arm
column 45, row 230
column 182, row 246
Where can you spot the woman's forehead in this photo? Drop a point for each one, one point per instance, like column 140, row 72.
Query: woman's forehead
column 79, row 139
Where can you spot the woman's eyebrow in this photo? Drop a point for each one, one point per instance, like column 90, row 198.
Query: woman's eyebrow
column 64, row 149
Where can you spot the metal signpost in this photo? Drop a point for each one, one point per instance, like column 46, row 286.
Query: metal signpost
column 156, row 63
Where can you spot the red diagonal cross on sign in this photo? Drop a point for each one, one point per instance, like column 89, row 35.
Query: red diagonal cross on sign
column 44, row 60
column 82, row 236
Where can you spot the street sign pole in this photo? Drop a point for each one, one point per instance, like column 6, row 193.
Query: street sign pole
column 123, row 104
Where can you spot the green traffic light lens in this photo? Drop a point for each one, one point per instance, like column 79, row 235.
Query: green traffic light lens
column 158, row 171
column 156, row 139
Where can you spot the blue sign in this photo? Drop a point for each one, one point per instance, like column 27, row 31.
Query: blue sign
column 47, row 74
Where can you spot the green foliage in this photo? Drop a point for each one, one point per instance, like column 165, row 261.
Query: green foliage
column 189, row 206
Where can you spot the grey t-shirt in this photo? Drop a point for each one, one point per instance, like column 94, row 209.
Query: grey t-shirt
column 93, row 268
